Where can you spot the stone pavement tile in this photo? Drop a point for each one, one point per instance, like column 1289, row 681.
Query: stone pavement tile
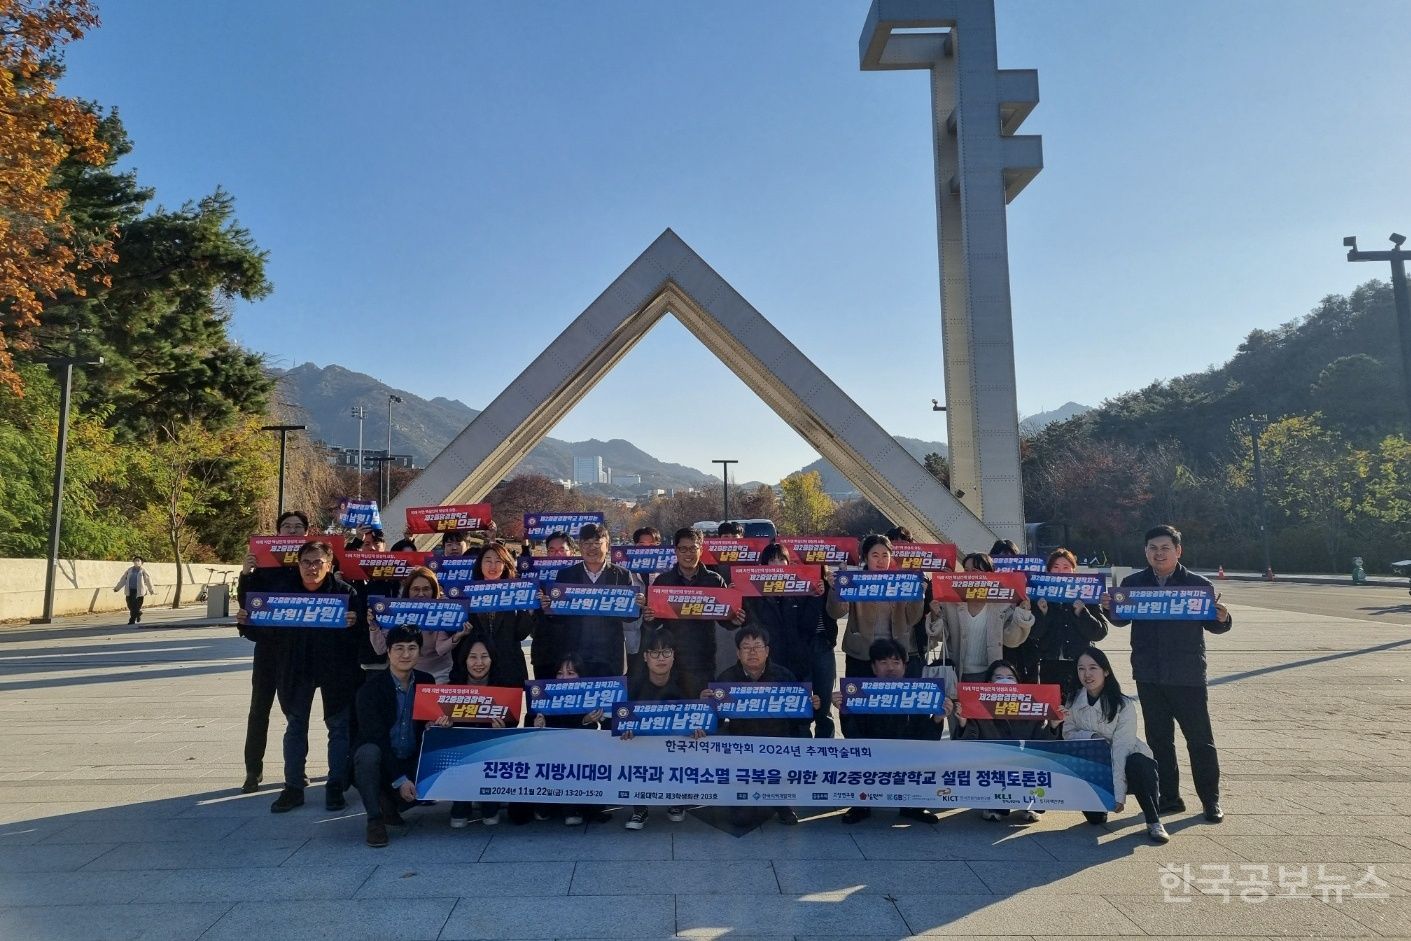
column 551, row 840
column 1314, row 849
column 143, row 831
column 103, row 922
column 812, row 842
column 1387, row 917
column 852, row 915
column 75, row 888
column 1298, row 879
column 470, row 880
column 1121, row 877
column 1098, row 844
column 189, row 856
column 343, row 920
column 1390, row 826
column 50, row 858
column 675, row 876
column 877, row 877
column 345, row 826
column 233, row 804
column 30, row 832
column 1204, row 915
column 437, row 846
column 575, row 916
column 253, row 884
column 988, row 915
column 1000, row 843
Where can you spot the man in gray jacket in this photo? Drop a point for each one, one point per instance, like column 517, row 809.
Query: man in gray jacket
column 138, row 586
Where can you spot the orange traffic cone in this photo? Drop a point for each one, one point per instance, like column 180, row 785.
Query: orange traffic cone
column 1221, row 573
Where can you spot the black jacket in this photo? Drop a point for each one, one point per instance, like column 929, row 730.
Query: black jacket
column 377, row 713
column 784, row 728
column 695, row 639
column 1009, row 730
column 1169, row 652
column 598, row 641
column 679, row 686
column 325, row 657
column 792, row 623
column 914, row 726
column 507, row 631
column 1060, row 633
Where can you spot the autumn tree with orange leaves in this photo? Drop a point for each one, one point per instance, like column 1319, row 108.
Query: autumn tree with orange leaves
column 40, row 129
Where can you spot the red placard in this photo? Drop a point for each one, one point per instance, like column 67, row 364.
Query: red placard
column 776, row 581
column 821, row 550
column 468, row 705
column 997, row 587
column 272, row 552
column 440, row 519
column 671, row 603
column 363, row 565
column 727, row 550
column 924, row 556
column 1010, row 700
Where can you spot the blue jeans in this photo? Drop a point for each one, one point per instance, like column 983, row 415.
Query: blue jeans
column 825, row 675
column 297, row 705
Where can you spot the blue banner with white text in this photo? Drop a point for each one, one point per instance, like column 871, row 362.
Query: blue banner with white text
column 1186, row 603
column 511, row 594
column 543, row 525
column 872, row 696
column 762, row 700
column 1066, row 587
column 879, row 586
column 575, row 697
column 268, row 609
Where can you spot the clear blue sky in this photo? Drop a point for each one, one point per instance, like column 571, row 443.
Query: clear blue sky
column 443, row 186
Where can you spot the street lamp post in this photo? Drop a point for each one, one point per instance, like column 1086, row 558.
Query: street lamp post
column 283, row 441
column 1397, row 256
column 360, row 413
column 1256, row 428
column 725, row 487
column 387, row 494
column 383, row 467
column 56, row 508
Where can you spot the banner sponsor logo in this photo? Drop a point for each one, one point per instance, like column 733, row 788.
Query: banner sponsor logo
column 725, row 550
column 776, row 581
column 644, row 558
column 669, row 717
column 1019, row 563
column 427, row 614
column 518, row 594
column 863, row 696
column 998, row 587
column 468, row 704
column 355, row 513
column 575, row 697
column 360, row 566
column 879, row 586
column 1010, row 700
column 573, row 766
column 268, row 609
column 1186, row 603
column 440, row 519
column 453, row 570
column 546, row 570
column 669, row 602
column 821, row 550
column 924, row 556
column 272, row 552
column 1066, row 587
column 761, row 700
column 542, row 525
column 618, row 601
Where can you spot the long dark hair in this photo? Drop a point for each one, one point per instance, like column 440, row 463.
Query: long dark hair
column 460, row 673
column 1111, row 697
column 998, row 664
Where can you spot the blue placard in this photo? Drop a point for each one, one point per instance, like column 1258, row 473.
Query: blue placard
column 670, row 717
column 893, row 697
column 1185, row 603
column 511, row 594
column 618, row 601
column 546, row 570
column 543, row 525
column 455, row 570
column 879, row 586
column 762, row 700
column 644, row 558
column 427, row 614
column 575, row 697
column 355, row 513
column 268, row 609
column 1019, row 563
column 1064, row 586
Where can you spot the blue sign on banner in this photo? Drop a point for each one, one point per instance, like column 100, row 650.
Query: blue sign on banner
column 644, row 558
column 762, row 700
column 594, row 600
column 1051, row 586
column 355, row 513
column 543, row 525
column 1187, row 603
column 1019, row 563
column 427, row 614
column 893, row 697
column 456, row 570
column 879, row 586
column 575, row 697
column 546, row 570
column 518, row 594
column 267, row 609
column 670, row 717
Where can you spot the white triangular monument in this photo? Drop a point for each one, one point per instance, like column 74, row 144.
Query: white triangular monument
column 671, row 278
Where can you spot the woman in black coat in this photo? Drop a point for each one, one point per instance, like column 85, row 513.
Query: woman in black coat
column 505, row 631
column 1061, row 632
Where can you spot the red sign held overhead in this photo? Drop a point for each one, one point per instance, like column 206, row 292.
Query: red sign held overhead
column 272, row 552
column 924, row 556
column 365, row 565
column 726, row 550
column 440, row 519
column 671, row 603
column 821, row 550
column 996, row 587
column 776, row 581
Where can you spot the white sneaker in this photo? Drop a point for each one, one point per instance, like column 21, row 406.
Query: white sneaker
column 1029, row 816
column 493, row 819
column 1158, row 833
column 573, row 820
column 990, row 815
column 676, row 814
column 540, row 815
column 638, row 821
column 459, row 823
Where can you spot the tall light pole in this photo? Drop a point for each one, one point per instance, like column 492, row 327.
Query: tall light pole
column 283, row 441
column 1257, row 424
column 725, row 490
column 1397, row 256
column 56, row 508
column 391, row 397
column 360, row 413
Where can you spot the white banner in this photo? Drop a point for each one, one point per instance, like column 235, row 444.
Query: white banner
column 576, row 766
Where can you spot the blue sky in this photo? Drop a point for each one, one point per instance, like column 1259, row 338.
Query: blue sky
column 443, row 186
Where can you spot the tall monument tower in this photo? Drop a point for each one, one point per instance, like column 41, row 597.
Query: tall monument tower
column 980, row 166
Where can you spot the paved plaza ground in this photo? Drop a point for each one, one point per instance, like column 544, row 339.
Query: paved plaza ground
column 120, row 817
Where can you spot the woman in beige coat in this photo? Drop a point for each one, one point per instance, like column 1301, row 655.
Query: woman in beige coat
column 975, row 633
column 870, row 620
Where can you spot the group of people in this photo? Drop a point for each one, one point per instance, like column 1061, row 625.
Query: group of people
column 367, row 676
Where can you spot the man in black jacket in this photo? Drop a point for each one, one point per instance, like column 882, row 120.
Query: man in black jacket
column 598, row 641
column 695, row 639
column 1168, row 665
column 389, row 739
